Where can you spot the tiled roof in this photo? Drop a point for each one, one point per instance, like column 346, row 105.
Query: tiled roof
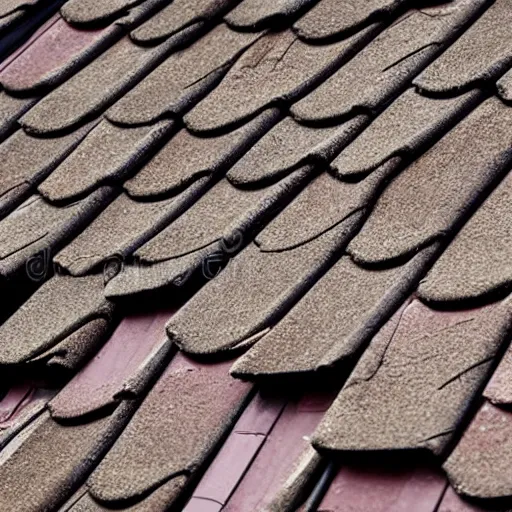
column 255, row 256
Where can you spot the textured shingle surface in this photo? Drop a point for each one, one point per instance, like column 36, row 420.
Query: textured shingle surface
column 255, row 256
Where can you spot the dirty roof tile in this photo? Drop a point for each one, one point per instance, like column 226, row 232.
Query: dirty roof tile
column 25, row 161
column 479, row 465
column 52, row 57
column 55, row 459
column 116, row 233
column 477, row 263
column 405, row 126
column 394, row 486
column 253, row 14
column 482, row 53
column 55, row 311
column 278, row 68
column 272, row 282
column 287, row 146
column 183, row 78
column 36, row 229
column 95, row 11
column 282, row 470
column 185, row 414
column 11, row 109
column 108, row 154
column 122, row 368
column 384, row 67
column 504, row 86
column 94, row 88
column 187, row 158
column 330, row 18
column 178, row 15
column 499, row 389
column 415, row 375
column 439, row 188
column 332, row 323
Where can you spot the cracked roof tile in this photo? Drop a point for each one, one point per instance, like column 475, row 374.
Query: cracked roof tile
column 332, row 322
column 287, row 146
column 122, row 368
column 278, row 68
column 11, row 109
column 482, row 53
column 25, row 161
column 36, row 229
column 178, row 15
column 384, row 67
column 186, row 413
column 477, row 263
column 256, row 288
column 330, row 18
column 59, row 308
column 183, row 78
column 187, row 158
column 428, row 199
column 253, row 14
column 415, row 375
column 403, row 128
column 52, row 57
column 108, row 154
column 93, row 88
column 479, row 466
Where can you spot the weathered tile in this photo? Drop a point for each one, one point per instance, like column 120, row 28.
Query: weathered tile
column 479, row 466
column 411, row 122
column 32, row 233
column 427, row 200
column 384, row 68
column 477, row 263
column 108, row 154
column 58, row 310
column 178, row 15
column 499, row 389
column 329, row 18
column 452, row 502
column 95, row 87
column 53, row 57
column 25, row 161
column 277, row 68
column 332, row 323
column 504, row 86
column 184, row 416
column 11, row 109
column 187, row 158
column 183, row 78
column 95, row 11
column 481, row 54
column 289, row 145
column 420, row 374
column 253, row 14
column 10, row 6
column 123, row 367
column 377, row 487
column 253, row 292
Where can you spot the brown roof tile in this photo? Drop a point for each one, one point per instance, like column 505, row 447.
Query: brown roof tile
column 482, row 53
column 479, row 466
column 108, row 154
column 477, row 263
column 9, row 6
column 187, row 158
column 452, row 502
column 505, row 87
column 499, row 389
column 54, row 312
column 289, row 145
column 185, row 414
column 25, row 161
column 89, row 11
column 183, row 79
column 384, row 67
column 252, row 14
column 330, row 18
column 10, row 110
column 178, row 15
column 428, row 199
column 277, row 68
column 405, row 126
column 416, row 376
column 36, row 230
